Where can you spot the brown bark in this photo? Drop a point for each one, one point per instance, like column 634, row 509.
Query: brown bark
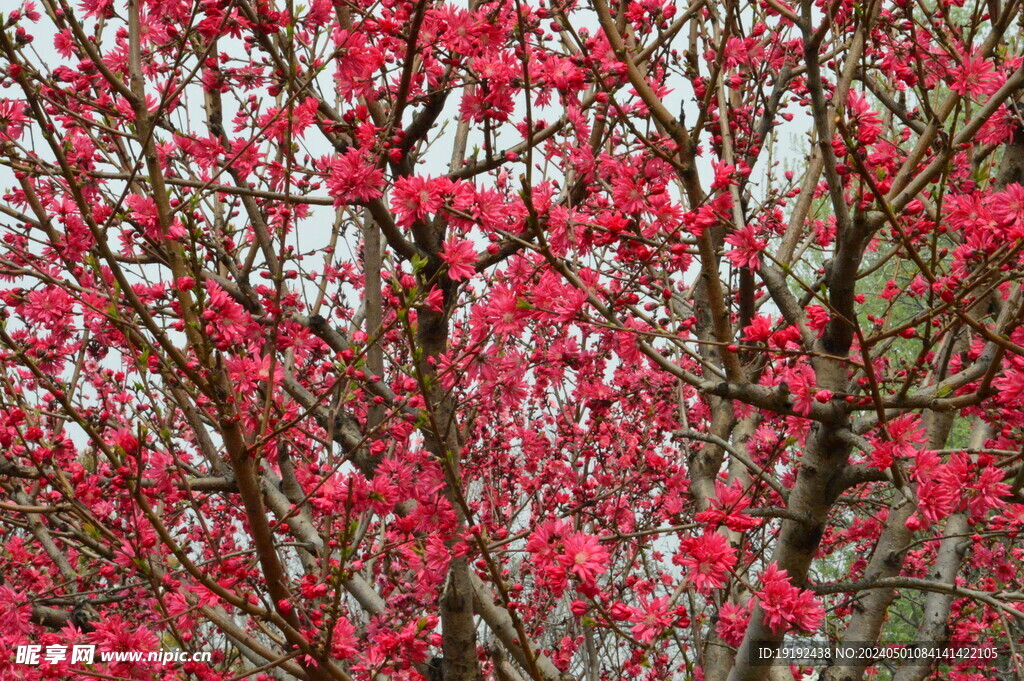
column 871, row 608
column 458, row 626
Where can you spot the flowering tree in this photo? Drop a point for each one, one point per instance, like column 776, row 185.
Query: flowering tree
column 405, row 340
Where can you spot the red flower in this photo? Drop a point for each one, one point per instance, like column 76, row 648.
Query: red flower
column 786, row 606
column 727, row 508
column 759, row 330
column 293, row 121
column 863, row 119
column 503, row 313
column 708, row 558
column 353, row 179
column 228, row 322
column 732, row 622
column 12, row 119
column 584, row 557
column 975, row 77
column 652, row 617
column 746, row 251
column 414, row 198
column 461, row 258
column 1009, row 210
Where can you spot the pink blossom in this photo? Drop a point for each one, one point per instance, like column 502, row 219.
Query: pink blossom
column 708, row 558
column 628, row 193
column 988, row 493
column 786, row 606
column 733, row 620
column 503, row 313
column 1009, row 210
column 584, row 557
column 461, row 258
column 747, row 248
column 975, row 77
column 228, row 322
column 727, row 508
column 12, row 119
column 292, row 121
column 652, row 617
column 759, row 330
column 414, row 198
column 353, row 178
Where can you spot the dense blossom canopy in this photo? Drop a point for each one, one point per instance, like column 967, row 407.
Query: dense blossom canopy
column 511, row 339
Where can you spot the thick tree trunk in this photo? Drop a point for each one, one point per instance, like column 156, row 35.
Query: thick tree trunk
column 934, row 629
column 872, row 607
column 458, row 625
column 817, row 487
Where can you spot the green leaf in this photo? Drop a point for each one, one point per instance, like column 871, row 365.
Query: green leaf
column 418, row 262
